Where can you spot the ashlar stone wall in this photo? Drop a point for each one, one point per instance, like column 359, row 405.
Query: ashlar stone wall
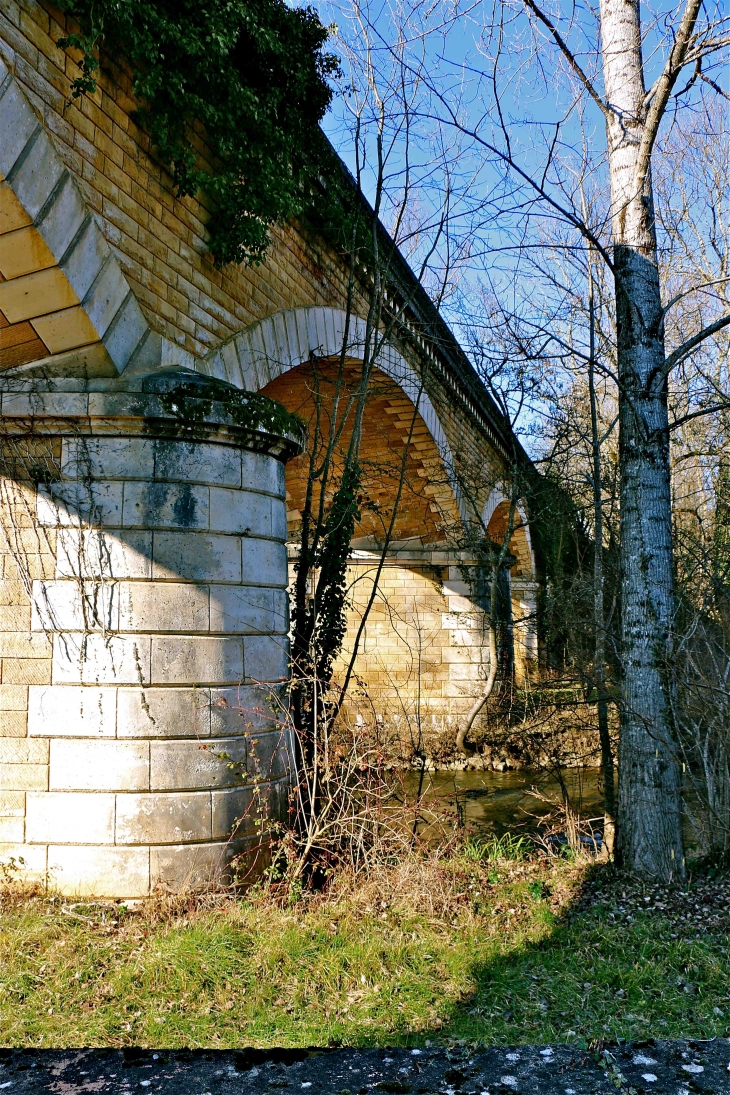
column 154, row 587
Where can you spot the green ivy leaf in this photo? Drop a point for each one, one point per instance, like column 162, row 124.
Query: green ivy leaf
column 253, row 73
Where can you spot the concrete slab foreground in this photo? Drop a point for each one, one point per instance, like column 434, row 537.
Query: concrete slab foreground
column 671, row 1068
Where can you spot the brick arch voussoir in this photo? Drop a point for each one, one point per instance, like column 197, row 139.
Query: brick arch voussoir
column 251, row 359
column 494, row 519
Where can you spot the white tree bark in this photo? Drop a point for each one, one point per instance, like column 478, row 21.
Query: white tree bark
column 650, row 813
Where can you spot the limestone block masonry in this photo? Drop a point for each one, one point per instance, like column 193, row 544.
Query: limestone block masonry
column 152, row 552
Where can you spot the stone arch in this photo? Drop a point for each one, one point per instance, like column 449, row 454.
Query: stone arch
column 398, row 456
column 253, row 358
column 495, row 517
column 66, row 307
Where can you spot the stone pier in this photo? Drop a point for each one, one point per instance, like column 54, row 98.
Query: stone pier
column 147, row 522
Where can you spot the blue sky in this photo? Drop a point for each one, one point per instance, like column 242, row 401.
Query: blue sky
column 433, row 66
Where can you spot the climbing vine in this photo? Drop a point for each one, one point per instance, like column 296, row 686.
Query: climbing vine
column 254, row 73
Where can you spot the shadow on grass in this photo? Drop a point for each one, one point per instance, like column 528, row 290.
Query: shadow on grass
column 540, row 952
column 605, row 958
column 622, row 960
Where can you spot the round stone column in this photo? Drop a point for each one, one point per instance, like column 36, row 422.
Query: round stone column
column 168, row 619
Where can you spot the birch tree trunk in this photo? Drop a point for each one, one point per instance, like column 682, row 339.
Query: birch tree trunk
column 650, row 814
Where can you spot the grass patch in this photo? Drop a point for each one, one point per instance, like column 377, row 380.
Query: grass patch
column 494, row 849
column 490, row 952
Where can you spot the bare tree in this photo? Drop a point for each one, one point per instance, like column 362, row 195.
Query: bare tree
column 332, row 795
column 627, row 71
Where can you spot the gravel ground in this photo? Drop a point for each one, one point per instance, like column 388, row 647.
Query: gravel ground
column 671, row 1068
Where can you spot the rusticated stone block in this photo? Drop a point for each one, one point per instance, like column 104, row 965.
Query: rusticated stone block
column 108, row 458
column 80, row 502
column 91, row 553
column 19, row 125
column 197, row 462
column 74, row 605
column 84, row 260
column 264, row 562
column 244, row 609
column 279, row 528
column 164, row 606
column 105, row 765
column 188, row 765
column 196, row 659
column 235, row 812
column 182, row 867
column 173, row 817
column 258, row 473
column 99, row 872
column 266, row 657
column 85, row 712
column 245, row 513
column 163, row 712
column 62, row 221
column 268, row 756
column 55, row 816
column 166, row 505
column 245, row 708
column 97, row 659
column 197, row 557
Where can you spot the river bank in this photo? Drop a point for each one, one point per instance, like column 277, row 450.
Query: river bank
column 435, row 949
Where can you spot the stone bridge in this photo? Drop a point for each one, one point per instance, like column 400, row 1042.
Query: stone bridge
column 143, row 605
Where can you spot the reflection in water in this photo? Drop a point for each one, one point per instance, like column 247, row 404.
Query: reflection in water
column 486, row 803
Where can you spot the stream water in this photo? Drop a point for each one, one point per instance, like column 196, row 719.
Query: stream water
column 485, row 804
column 493, row 803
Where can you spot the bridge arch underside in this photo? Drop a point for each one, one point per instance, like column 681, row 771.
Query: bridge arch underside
column 422, row 658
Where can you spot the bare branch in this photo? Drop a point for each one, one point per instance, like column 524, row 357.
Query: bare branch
column 701, row 413
column 568, row 54
column 714, row 86
column 681, row 352
column 693, row 289
column 663, row 88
